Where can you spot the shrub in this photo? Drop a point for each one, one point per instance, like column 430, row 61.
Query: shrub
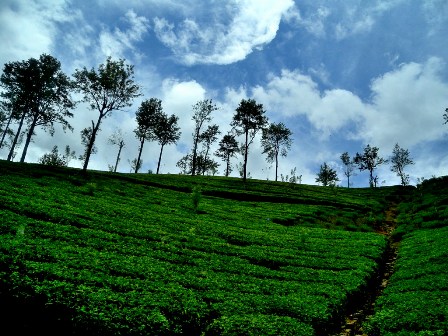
column 196, row 197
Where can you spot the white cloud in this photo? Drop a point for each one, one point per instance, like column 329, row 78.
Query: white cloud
column 407, row 106
column 118, row 42
column 293, row 94
column 314, row 23
column 28, row 28
column 252, row 25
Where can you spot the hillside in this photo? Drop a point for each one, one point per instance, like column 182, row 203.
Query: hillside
column 131, row 254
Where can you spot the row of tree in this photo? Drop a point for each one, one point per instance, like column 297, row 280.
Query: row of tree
column 369, row 160
column 36, row 93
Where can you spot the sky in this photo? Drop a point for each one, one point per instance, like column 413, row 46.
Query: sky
column 339, row 74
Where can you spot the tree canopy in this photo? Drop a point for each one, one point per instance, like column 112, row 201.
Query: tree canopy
column 37, row 93
column 369, row 160
column 148, row 116
column 327, row 175
column 111, row 87
column 400, row 159
column 276, row 140
column 249, row 118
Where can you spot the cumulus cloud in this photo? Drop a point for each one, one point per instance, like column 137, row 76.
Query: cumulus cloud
column 293, row 93
column 407, row 105
column 252, row 24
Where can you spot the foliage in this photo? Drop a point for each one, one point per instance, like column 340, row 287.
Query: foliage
column 37, row 92
column 166, row 132
column 202, row 112
column 54, row 158
column 276, row 140
column 228, row 148
column 113, row 250
column 248, row 119
column 349, row 166
column 148, row 116
column 116, row 139
column 445, row 116
column 369, row 160
column 399, row 160
column 109, row 88
column 196, row 197
column 327, row 175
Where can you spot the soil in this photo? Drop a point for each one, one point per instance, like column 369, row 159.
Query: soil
column 355, row 318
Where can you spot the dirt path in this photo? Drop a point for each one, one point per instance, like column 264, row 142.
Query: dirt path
column 355, row 319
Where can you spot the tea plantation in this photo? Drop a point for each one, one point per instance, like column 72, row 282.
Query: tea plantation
column 138, row 254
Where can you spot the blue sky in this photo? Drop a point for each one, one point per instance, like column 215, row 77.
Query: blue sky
column 339, row 74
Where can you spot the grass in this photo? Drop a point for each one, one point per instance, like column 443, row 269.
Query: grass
column 137, row 254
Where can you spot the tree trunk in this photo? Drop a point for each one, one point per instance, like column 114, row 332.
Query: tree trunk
column 95, row 129
column 120, row 146
column 28, row 138
column 246, row 149
column 6, row 130
column 276, row 167
column 195, row 148
column 228, row 166
column 16, row 138
column 137, row 164
column 160, row 158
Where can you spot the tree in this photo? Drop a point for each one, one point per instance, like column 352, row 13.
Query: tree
column 148, row 115
column 38, row 92
column 14, row 81
column 55, row 159
column 400, row 159
column 327, row 176
column 276, row 140
column 166, row 132
column 369, row 160
column 202, row 111
column 228, row 148
column 349, row 167
column 107, row 89
column 208, row 137
column 248, row 119
column 117, row 139
column 185, row 164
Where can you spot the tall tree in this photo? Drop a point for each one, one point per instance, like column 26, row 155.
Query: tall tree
column 369, row 160
column 399, row 160
column 208, row 137
column 202, row 112
column 16, row 86
column 327, row 176
column 228, row 148
column 166, row 132
column 107, row 89
column 148, row 115
column 117, row 139
column 51, row 101
column 248, row 119
column 276, row 140
column 349, row 167
column 36, row 92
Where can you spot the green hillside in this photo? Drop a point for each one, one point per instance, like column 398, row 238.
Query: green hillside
column 133, row 254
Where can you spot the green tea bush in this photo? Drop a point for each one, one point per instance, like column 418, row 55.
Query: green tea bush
column 258, row 324
column 196, row 197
